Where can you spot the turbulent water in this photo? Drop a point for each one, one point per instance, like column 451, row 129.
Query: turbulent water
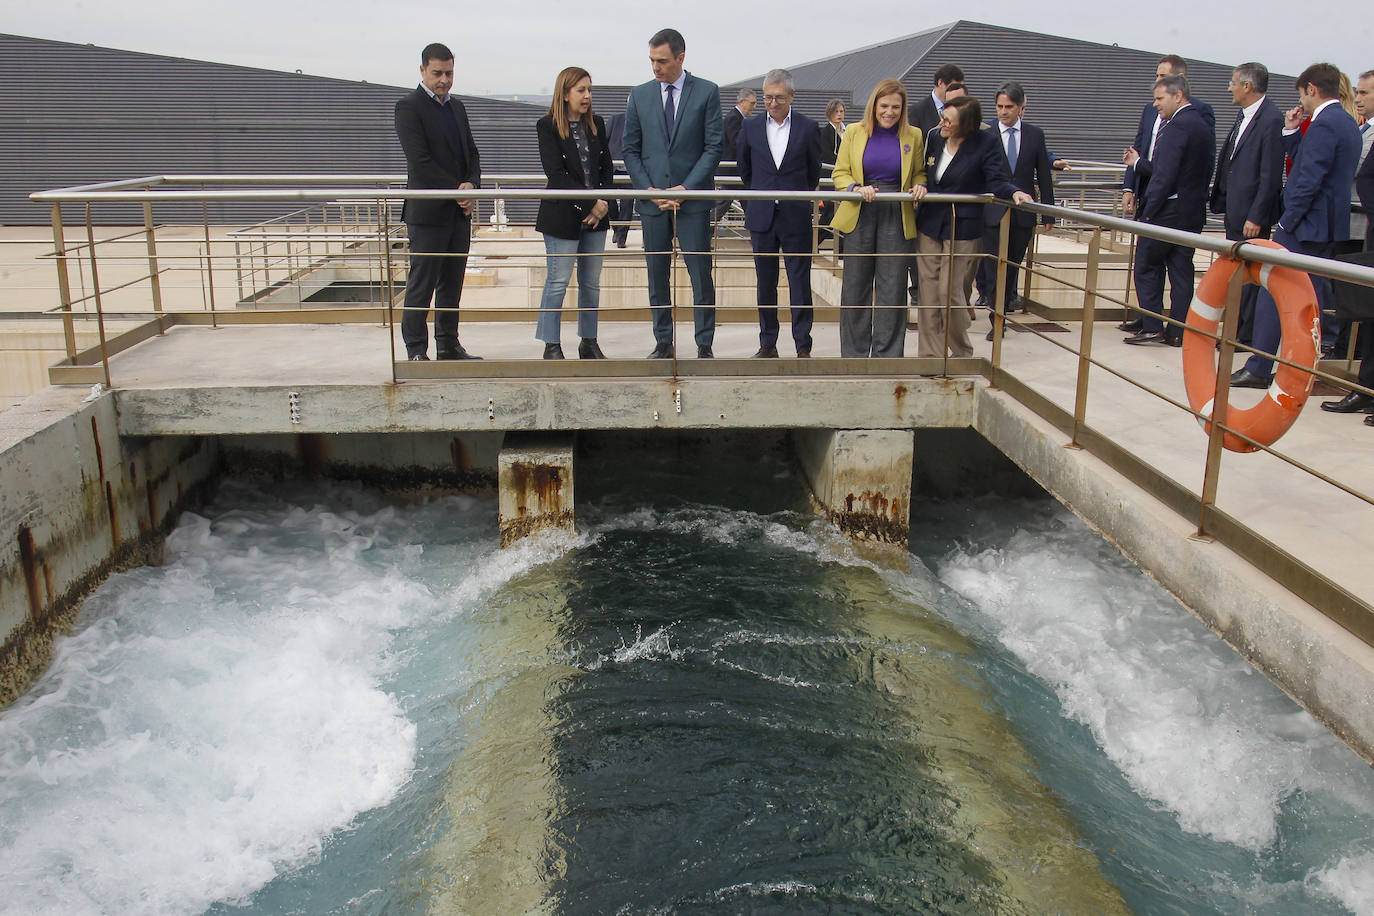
column 329, row 701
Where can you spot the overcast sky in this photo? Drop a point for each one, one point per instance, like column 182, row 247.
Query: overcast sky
column 518, row 46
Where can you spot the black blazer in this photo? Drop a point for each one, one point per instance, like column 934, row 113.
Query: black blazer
column 924, row 116
column 1364, row 187
column 800, row 171
column 1138, row 175
column 563, row 218
column 431, row 160
column 979, row 167
column 1032, row 174
column 1184, row 155
column 732, row 122
column 1249, row 182
column 830, row 142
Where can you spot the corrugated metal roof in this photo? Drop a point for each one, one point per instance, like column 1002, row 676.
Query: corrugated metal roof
column 858, row 71
column 143, row 114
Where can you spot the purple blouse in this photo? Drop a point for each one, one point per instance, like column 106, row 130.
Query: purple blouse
column 883, row 156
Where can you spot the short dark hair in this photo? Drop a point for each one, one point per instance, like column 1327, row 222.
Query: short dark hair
column 672, row 38
column 1325, row 78
column 957, row 84
column 1366, row 75
column 968, row 115
column 1256, row 74
column 435, row 51
column 947, row 74
column 1174, row 85
column 1013, row 91
column 1177, row 64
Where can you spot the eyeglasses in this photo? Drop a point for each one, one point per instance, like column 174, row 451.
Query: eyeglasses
column 770, row 99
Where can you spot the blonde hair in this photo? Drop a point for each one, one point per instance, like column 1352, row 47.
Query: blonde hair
column 558, row 110
column 1348, row 98
column 886, row 87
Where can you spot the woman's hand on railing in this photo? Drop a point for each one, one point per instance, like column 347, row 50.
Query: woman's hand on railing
column 917, row 192
column 868, row 192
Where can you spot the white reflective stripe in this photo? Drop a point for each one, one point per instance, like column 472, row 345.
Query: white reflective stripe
column 1205, row 311
column 1206, row 412
column 1275, row 392
column 1265, row 271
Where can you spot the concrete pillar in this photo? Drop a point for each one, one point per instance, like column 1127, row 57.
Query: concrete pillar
column 860, row 479
column 534, row 484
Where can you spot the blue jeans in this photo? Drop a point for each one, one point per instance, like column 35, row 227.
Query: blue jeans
column 586, row 251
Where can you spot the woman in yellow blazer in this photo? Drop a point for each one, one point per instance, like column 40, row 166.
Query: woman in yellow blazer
column 880, row 153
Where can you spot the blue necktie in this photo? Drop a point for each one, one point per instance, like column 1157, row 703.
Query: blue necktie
column 668, row 112
column 1011, row 147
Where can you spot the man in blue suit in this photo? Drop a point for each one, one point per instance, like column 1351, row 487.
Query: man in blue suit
column 673, row 136
column 1028, row 160
column 1176, row 196
column 1248, row 190
column 1316, row 202
column 780, row 151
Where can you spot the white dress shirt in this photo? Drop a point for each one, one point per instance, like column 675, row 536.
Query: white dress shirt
column 777, row 136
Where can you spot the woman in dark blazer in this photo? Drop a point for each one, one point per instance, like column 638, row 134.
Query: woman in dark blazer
column 961, row 159
column 574, row 151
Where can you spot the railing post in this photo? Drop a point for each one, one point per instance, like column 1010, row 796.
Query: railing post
column 64, row 286
column 209, row 259
column 95, row 286
column 1216, row 435
column 949, row 291
column 154, row 278
column 388, row 287
column 1085, row 344
column 999, row 315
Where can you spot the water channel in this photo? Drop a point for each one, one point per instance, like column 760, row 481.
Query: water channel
column 332, row 700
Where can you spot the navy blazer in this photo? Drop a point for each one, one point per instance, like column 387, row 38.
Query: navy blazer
column 1138, row 176
column 689, row 157
column 1249, row 182
column 1032, row 173
column 731, row 124
column 1316, row 200
column 563, row 167
column 979, row 167
column 1185, row 152
column 431, row 160
column 800, row 171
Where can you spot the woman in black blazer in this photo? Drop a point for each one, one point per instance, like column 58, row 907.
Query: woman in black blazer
column 962, row 159
column 574, row 152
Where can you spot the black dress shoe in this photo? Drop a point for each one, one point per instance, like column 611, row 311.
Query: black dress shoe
column 766, row 353
column 1145, row 338
column 803, row 352
column 1244, row 378
column 662, row 351
column 989, row 337
column 553, row 351
column 1369, row 421
column 418, row 358
column 458, row 353
column 1173, row 340
column 983, row 302
column 1133, row 326
column 1354, row 402
column 705, row 352
column 588, row 349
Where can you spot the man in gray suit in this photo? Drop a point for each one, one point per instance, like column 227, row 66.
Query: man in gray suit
column 673, row 135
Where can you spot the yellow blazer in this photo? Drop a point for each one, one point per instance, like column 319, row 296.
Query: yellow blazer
column 849, row 169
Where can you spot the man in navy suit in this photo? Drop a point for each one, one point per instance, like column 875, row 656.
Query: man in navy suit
column 1176, row 196
column 780, row 151
column 1138, row 174
column 1028, row 160
column 440, row 153
column 673, row 138
column 1248, row 190
column 1316, row 201
column 745, row 101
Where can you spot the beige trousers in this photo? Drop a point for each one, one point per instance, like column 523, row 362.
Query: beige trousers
column 945, row 284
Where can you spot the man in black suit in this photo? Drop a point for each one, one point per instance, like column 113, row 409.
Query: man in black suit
column 615, row 139
column 780, row 151
column 1248, row 190
column 733, row 120
column 1176, row 196
column 1028, row 160
column 440, row 153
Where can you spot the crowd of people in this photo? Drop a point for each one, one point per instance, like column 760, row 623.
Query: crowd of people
column 898, row 253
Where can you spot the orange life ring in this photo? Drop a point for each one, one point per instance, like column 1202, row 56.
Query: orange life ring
column 1298, row 318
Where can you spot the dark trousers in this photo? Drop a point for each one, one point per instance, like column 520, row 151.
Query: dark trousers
column 1268, row 331
column 440, row 279
column 1153, row 260
column 1018, row 241
column 694, row 238
column 796, row 245
column 869, row 281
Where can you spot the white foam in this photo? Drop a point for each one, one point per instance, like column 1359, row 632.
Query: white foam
column 216, row 720
column 1350, row 881
column 1189, row 724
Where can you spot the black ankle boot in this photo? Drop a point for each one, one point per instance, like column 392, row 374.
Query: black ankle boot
column 553, row 351
column 588, row 349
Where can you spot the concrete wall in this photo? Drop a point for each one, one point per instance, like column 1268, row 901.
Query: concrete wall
column 78, row 501
column 460, row 461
